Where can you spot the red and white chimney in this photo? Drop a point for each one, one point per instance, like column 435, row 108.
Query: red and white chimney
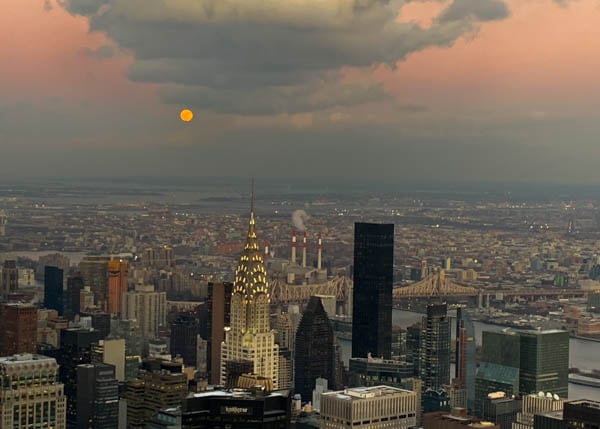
column 319, row 251
column 304, row 250
column 293, row 247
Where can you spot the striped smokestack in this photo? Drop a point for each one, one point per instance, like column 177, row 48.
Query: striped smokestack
column 304, row 250
column 293, row 247
column 319, row 252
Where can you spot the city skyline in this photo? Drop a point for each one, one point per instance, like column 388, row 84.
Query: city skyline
column 450, row 90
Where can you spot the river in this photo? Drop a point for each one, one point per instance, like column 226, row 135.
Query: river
column 584, row 355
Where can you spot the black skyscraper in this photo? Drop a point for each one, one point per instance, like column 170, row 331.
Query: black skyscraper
column 435, row 347
column 315, row 350
column 97, row 397
column 75, row 349
column 184, row 338
column 73, row 297
column 53, row 289
column 372, row 298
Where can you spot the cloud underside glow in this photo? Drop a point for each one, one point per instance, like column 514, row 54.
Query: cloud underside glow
column 271, row 57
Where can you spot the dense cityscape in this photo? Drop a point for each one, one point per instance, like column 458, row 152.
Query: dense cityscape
column 191, row 305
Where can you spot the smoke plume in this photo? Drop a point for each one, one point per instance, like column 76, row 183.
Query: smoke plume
column 298, row 219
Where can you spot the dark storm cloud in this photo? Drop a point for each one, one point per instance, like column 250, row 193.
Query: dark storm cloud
column 490, row 10
column 258, row 57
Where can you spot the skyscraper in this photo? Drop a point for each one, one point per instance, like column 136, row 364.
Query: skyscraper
column 117, row 285
column 75, row 349
column 544, row 362
column 148, row 308
column 499, row 367
column 413, row 347
column 465, row 358
column 30, row 396
column 53, row 289
column 94, row 270
column 315, row 350
column 184, row 338
column 19, row 333
column 435, row 347
column 9, row 281
column 219, row 311
column 97, row 397
column 73, row 296
column 249, row 337
column 372, row 295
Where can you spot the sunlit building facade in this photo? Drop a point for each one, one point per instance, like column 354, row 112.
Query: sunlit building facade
column 249, row 336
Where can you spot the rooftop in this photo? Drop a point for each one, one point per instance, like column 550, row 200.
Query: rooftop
column 356, row 393
column 236, row 393
column 24, row 358
column 586, row 403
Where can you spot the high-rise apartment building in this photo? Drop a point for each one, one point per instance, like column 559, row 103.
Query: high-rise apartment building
column 378, row 407
column 158, row 257
column 30, row 394
column 184, row 338
column 315, row 350
column 19, row 329
column 463, row 383
column 9, row 279
column 413, row 347
column 117, row 285
column 372, row 293
column 53, row 289
column 219, row 311
column 249, row 336
column 97, row 397
column 94, row 271
column 544, row 362
column 435, row 347
column 148, row 307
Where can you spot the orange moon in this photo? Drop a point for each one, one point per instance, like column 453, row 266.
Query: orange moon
column 186, row 115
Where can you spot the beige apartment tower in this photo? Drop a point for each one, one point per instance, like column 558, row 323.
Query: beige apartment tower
column 148, row 307
column 249, row 337
column 378, row 407
column 30, row 396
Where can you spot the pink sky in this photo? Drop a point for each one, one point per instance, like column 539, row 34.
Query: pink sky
column 42, row 57
column 541, row 53
column 541, row 59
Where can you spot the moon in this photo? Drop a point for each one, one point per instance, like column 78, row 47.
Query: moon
column 186, row 115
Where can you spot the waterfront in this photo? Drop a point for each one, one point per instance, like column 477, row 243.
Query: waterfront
column 582, row 354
